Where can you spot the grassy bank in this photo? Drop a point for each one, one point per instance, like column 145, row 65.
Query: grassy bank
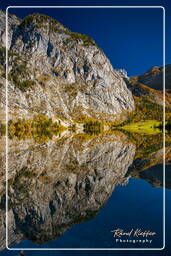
column 143, row 127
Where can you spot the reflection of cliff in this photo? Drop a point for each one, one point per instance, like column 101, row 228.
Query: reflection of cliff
column 147, row 168
column 149, row 154
column 58, row 184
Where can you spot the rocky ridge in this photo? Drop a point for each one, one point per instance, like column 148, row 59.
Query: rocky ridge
column 154, row 77
column 56, row 72
column 150, row 85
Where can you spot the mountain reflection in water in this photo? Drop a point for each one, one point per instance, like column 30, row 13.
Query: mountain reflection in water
column 66, row 181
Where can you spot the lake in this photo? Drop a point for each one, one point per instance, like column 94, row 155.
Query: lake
column 75, row 189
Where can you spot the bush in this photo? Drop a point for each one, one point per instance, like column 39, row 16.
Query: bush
column 20, row 74
column 2, row 129
column 41, row 127
column 93, row 127
column 87, row 41
column 2, row 55
column 24, row 85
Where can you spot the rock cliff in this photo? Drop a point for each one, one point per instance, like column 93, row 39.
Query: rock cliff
column 59, row 73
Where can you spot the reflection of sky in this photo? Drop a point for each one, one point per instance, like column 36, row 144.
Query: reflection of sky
column 131, row 38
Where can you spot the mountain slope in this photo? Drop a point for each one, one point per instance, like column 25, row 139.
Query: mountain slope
column 154, row 77
column 149, row 101
column 142, row 90
column 56, row 72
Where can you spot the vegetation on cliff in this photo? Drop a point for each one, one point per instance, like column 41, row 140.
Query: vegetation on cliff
column 41, row 128
column 93, row 127
column 53, row 26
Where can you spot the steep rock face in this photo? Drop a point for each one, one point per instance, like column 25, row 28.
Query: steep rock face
column 58, row 184
column 154, row 77
column 62, row 74
column 13, row 21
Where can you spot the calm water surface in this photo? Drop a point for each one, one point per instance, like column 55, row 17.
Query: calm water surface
column 137, row 205
column 67, row 194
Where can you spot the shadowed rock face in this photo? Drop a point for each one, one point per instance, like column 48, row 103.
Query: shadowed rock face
column 13, row 22
column 154, row 77
column 57, row 184
column 60, row 73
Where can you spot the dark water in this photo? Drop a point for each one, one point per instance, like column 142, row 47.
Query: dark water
column 81, row 194
column 137, row 205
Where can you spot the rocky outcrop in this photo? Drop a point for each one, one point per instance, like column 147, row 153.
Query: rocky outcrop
column 13, row 22
column 142, row 86
column 62, row 74
column 58, row 184
column 154, row 77
column 150, row 85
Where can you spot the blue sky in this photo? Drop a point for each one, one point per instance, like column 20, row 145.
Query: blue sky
column 131, row 38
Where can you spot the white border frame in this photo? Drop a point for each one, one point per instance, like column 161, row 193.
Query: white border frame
column 164, row 88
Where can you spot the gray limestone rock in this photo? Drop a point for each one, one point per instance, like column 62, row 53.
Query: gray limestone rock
column 56, row 72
